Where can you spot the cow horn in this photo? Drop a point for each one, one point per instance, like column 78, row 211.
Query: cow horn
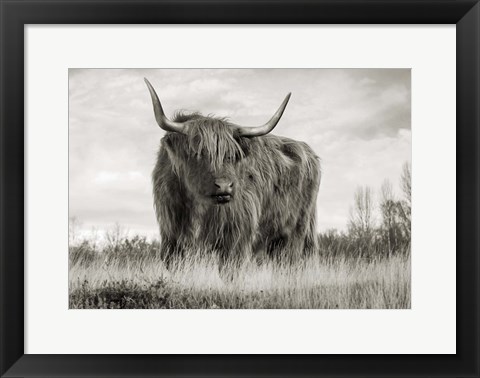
column 265, row 129
column 162, row 120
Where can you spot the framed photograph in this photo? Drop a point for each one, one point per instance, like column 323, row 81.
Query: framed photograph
column 238, row 207
column 239, row 189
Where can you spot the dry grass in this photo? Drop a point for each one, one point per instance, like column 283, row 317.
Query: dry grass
column 142, row 281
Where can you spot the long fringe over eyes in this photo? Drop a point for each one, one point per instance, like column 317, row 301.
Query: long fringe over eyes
column 211, row 138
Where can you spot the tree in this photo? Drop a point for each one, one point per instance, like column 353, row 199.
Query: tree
column 362, row 224
column 390, row 210
column 361, row 214
column 406, row 203
column 406, row 181
column 115, row 236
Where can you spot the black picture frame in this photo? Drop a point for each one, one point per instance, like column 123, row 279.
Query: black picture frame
column 15, row 14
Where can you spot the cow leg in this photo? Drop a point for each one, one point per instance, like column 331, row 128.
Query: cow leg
column 276, row 247
column 168, row 251
column 289, row 249
column 259, row 253
column 310, row 246
column 229, row 266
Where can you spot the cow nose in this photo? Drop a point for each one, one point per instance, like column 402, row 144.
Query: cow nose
column 224, row 186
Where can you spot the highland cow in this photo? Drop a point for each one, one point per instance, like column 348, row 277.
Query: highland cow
column 233, row 189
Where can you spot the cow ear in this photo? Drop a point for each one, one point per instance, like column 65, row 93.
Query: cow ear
column 168, row 144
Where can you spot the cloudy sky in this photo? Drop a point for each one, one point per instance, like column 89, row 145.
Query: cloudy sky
column 357, row 121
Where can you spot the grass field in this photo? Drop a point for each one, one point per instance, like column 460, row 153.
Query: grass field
column 135, row 277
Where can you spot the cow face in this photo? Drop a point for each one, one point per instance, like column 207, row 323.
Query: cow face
column 209, row 158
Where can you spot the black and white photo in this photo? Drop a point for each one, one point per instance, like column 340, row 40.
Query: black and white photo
column 240, row 188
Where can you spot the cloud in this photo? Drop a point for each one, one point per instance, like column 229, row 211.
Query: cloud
column 118, row 178
column 357, row 121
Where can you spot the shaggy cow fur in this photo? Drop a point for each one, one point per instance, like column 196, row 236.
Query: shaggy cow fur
column 276, row 181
